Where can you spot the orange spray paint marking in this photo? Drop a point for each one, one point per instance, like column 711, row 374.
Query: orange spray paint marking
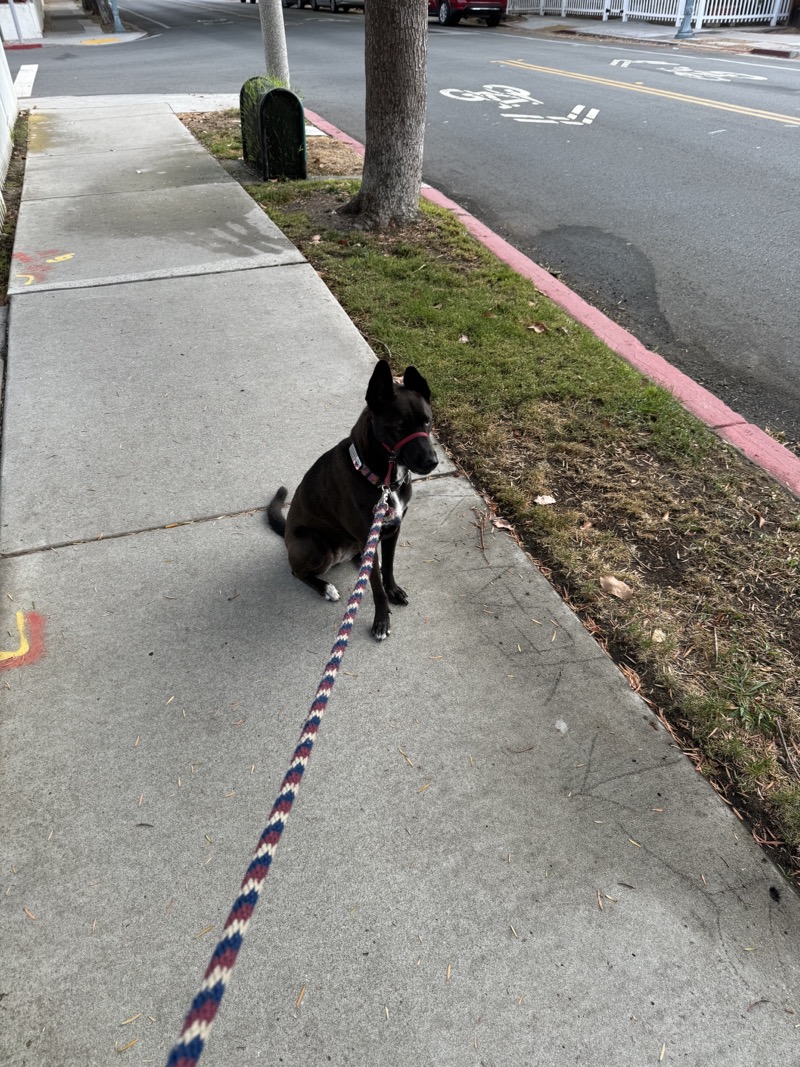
column 30, row 627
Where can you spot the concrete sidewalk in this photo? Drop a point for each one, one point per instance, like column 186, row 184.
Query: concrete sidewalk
column 498, row 857
column 780, row 41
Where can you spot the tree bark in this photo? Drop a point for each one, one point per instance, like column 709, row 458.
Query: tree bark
column 395, row 64
column 273, row 32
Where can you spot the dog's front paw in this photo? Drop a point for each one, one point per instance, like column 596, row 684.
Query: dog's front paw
column 381, row 627
column 331, row 592
column 396, row 595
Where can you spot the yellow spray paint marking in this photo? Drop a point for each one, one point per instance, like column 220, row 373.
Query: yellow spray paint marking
column 24, row 644
column 753, row 112
column 30, row 628
column 101, row 40
column 39, row 264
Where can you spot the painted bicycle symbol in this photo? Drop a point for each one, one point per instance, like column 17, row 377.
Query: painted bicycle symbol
column 505, row 96
column 508, row 97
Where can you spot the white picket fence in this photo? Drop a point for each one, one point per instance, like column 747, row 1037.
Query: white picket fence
column 9, row 109
column 21, row 20
column 705, row 11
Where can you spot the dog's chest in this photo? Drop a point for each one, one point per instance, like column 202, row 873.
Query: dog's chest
column 397, row 505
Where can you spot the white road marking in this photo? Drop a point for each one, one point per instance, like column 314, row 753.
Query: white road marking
column 572, row 119
column 139, row 15
column 688, row 72
column 23, row 83
column 508, row 96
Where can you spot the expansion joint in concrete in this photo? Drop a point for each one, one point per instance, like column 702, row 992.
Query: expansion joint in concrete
column 75, row 542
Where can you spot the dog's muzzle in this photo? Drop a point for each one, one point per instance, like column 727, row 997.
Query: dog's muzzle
column 394, row 453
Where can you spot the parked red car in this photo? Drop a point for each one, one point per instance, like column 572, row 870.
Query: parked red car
column 451, row 12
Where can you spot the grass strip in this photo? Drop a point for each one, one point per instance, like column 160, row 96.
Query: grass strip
column 12, row 195
column 681, row 558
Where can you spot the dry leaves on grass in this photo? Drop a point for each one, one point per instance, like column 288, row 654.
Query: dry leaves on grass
column 615, row 587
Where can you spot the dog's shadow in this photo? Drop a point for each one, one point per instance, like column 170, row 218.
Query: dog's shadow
column 260, row 612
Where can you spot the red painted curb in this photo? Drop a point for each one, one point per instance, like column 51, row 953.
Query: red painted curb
column 751, row 441
column 19, row 47
column 779, row 53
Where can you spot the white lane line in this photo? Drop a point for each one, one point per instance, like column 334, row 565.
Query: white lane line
column 139, row 15
column 23, row 83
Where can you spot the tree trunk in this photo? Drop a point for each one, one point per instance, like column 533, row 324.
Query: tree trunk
column 273, row 32
column 395, row 63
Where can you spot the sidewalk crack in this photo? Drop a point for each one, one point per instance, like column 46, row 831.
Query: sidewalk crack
column 129, row 533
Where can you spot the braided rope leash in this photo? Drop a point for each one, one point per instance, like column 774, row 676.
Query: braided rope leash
column 201, row 1015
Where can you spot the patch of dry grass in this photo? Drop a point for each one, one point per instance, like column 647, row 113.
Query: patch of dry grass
column 532, row 405
column 12, row 194
column 220, row 132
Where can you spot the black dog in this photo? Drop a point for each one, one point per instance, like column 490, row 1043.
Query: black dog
column 331, row 514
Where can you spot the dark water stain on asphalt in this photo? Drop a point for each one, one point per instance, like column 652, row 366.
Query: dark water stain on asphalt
column 616, row 277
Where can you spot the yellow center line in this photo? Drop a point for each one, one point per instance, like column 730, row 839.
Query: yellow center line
column 791, row 120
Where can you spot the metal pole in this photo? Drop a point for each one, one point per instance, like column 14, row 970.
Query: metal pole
column 15, row 19
column 118, row 27
column 685, row 32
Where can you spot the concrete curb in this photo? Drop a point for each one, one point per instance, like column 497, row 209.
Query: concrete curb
column 750, row 440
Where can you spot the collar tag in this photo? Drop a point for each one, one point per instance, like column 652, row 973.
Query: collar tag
column 355, row 456
column 361, row 466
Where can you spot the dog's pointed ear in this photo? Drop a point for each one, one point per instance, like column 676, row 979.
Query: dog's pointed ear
column 380, row 391
column 412, row 379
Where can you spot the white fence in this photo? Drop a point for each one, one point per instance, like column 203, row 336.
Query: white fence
column 705, row 11
column 8, row 116
column 21, row 20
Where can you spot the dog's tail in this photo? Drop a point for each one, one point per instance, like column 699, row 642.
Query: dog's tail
column 275, row 512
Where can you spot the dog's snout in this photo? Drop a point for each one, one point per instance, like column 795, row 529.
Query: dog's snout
column 422, row 459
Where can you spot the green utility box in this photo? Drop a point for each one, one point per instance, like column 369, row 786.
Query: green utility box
column 273, row 130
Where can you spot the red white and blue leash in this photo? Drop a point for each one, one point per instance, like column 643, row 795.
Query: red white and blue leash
column 202, row 1013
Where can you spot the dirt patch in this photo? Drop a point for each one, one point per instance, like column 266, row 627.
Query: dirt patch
column 12, row 195
column 325, row 156
column 221, row 133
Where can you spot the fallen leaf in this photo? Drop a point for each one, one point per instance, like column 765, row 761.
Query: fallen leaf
column 617, row 588
column 537, row 327
column 315, row 240
column 544, row 500
column 659, row 637
column 501, row 524
column 463, row 339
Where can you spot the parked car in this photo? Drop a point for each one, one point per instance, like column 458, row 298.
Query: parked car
column 333, row 5
column 451, row 12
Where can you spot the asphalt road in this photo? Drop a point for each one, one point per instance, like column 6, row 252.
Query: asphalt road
column 660, row 186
